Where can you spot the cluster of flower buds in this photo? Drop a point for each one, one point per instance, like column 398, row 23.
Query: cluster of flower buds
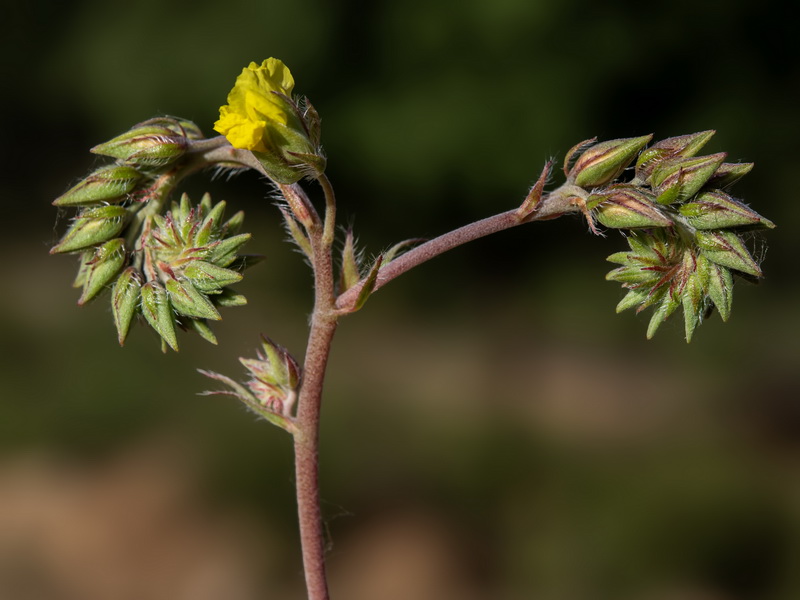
column 173, row 269
column 274, row 382
column 181, row 274
column 685, row 244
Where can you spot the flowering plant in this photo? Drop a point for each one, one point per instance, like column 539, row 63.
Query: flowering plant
column 170, row 263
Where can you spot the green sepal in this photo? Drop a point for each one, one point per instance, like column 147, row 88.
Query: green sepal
column 108, row 184
column 632, row 274
column 157, row 311
column 667, row 306
column 108, row 259
column 717, row 210
column 234, row 224
column 313, row 123
column 350, row 273
column 202, row 328
column 188, row 301
column 212, row 222
column 125, row 298
column 208, row 277
column 277, row 169
column 83, row 268
column 632, row 299
column 693, row 294
column 719, row 285
column 729, row 173
column 725, row 248
column 92, row 226
column 223, row 252
column 228, row 298
column 369, row 285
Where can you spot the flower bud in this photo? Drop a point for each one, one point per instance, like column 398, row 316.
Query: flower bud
column 125, row 301
column 719, row 285
column 680, row 146
column 145, row 145
column 185, row 299
column 275, row 376
column 726, row 249
column 108, row 259
column 602, row 163
column 92, row 226
column 717, row 210
column 157, row 310
column 108, row 184
column 626, row 207
column 210, row 278
column 678, row 179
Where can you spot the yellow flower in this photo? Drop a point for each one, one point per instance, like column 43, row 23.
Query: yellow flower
column 258, row 110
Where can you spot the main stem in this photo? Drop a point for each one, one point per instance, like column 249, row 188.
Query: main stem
column 306, row 441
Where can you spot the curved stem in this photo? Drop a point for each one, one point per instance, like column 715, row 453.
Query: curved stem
column 551, row 206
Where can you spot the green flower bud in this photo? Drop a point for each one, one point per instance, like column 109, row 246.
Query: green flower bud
column 185, row 299
column 92, row 226
column 626, row 207
column 275, row 376
column 719, row 285
column 107, row 261
column 717, row 210
column 678, row 179
column 210, row 278
column 108, row 184
column 693, row 297
column 664, row 309
column 125, row 299
column 203, row 330
column 679, row 146
column 726, row 249
column 145, row 145
column 157, row 310
column 224, row 252
column 602, row 163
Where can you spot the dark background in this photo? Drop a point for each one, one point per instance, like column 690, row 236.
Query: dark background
column 492, row 430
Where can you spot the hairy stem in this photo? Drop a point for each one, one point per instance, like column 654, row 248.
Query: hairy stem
column 551, row 206
column 306, row 444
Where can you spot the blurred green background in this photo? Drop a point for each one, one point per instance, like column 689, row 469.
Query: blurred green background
column 492, row 430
